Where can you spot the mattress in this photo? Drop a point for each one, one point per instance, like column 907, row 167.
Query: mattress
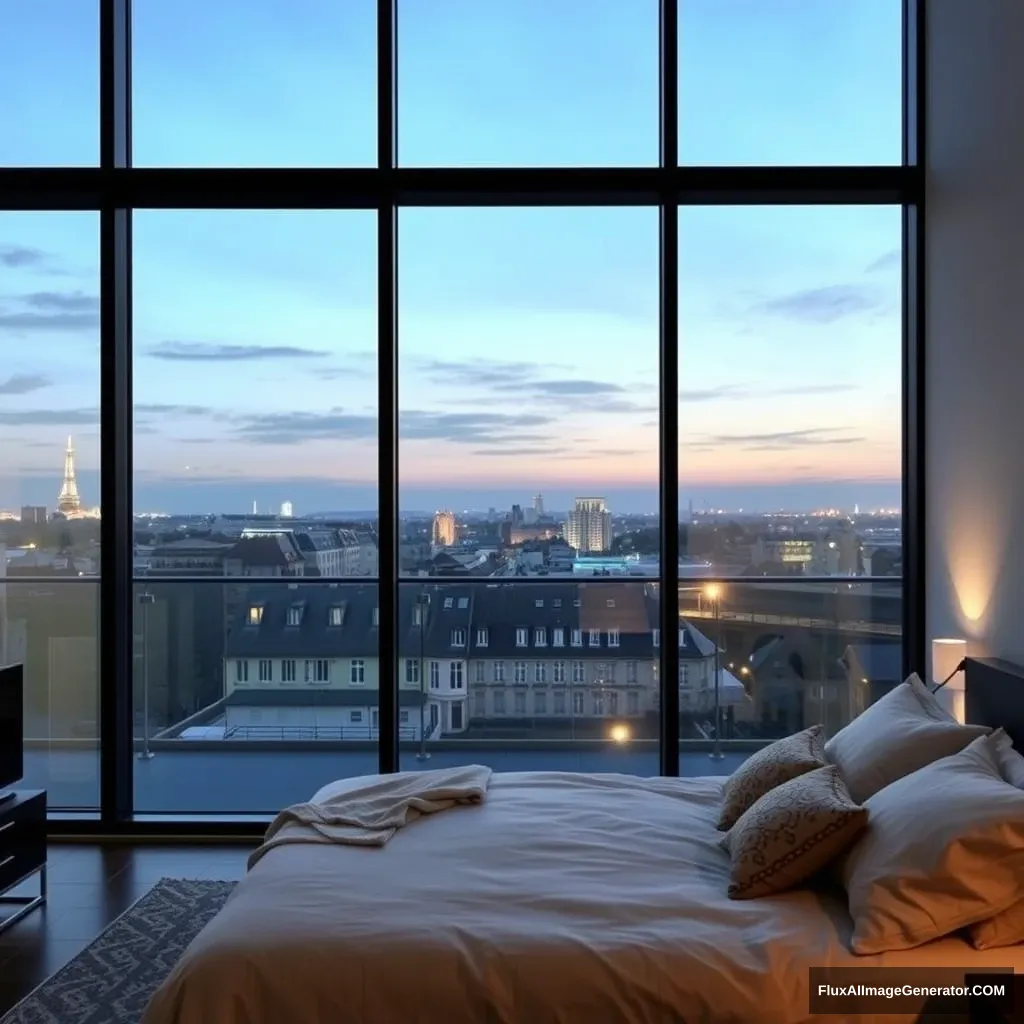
column 563, row 898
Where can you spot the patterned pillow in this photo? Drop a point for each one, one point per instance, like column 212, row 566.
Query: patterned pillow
column 791, row 833
column 770, row 767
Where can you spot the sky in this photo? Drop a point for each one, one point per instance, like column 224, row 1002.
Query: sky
column 529, row 337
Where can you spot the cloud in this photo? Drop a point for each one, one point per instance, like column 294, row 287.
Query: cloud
column 483, row 372
column 887, row 261
column 55, row 321
column 777, row 441
column 285, row 428
column 525, row 450
column 200, row 352
column 529, row 381
column 342, row 372
column 24, row 384
column 734, row 392
column 570, row 388
column 63, row 302
column 20, row 256
column 489, row 428
column 161, row 409
column 49, row 417
column 822, row 305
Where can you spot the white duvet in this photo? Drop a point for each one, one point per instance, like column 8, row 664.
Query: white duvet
column 568, row 898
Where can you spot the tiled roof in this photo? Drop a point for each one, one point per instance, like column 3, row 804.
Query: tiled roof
column 468, row 620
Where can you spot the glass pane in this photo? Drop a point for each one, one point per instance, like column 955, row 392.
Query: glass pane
column 254, row 83
column 527, row 83
column 790, row 381
column 49, row 623
column 522, row 428
column 50, row 492
column 251, row 694
column 790, row 447
column 49, row 83
column 787, row 82
column 529, row 676
column 785, row 656
column 255, row 449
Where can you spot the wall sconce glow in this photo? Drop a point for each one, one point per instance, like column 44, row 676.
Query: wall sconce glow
column 619, row 733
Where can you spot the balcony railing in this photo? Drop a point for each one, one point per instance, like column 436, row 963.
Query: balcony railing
column 790, row 652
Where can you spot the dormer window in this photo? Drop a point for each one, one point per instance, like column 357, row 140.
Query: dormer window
column 417, row 616
column 558, row 637
column 458, row 638
column 294, row 615
column 556, row 602
column 576, row 603
column 610, row 603
column 613, row 638
column 577, row 638
column 463, row 603
column 255, row 616
column 481, row 637
column 376, row 617
column 522, row 636
column 448, row 601
column 538, row 602
column 337, row 615
column 657, row 637
column 595, row 638
column 540, row 637
column 682, row 637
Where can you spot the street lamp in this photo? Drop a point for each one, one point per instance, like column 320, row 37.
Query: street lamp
column 714, row 594
column 145, row 600
column 423, row 604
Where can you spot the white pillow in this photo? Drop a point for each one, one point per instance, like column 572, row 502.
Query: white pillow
column 901, row 732
column 944, row 848
column 1007, row 928
column 1011, row 763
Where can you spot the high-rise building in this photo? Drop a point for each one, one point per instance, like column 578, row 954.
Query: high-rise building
column 68, row 500
column 33, row 514
column 538, row 505
column 445, row 532
column 286, row 510
column 589, row 526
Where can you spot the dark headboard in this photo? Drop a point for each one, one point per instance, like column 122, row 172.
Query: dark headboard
column 995, row 696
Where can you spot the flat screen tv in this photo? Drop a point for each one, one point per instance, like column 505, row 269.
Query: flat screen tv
column 12, row 765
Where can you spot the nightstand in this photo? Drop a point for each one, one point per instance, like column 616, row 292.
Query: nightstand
column 22, row 851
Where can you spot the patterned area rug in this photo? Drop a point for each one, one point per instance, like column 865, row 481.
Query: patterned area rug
column 113, row 978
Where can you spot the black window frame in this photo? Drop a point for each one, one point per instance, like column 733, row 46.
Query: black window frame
column 115, row 189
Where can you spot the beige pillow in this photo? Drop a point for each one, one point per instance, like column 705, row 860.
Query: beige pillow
column 901, row 732
column 944, row 848
column 1007, row 928
column 792, row 832
column 770, row 767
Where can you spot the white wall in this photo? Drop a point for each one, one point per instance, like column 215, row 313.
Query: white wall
column 975, row 324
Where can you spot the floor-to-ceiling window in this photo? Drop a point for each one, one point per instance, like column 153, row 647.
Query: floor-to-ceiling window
column 526, row 383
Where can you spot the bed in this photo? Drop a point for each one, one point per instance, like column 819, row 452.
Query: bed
column 564, row 897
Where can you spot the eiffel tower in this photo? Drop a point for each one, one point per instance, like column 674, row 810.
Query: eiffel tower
column 68, row 500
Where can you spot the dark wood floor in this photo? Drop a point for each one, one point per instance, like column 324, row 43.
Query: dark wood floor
column 88, row 887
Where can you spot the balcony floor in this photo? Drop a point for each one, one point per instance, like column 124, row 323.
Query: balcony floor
column 90, row 885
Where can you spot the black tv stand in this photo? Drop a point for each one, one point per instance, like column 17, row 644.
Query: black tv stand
column 22, row 851
column 4, row 797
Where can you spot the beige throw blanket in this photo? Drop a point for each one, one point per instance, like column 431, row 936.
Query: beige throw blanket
column 370, row 810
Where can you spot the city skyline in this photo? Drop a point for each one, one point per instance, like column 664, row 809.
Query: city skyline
column 528, row 337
